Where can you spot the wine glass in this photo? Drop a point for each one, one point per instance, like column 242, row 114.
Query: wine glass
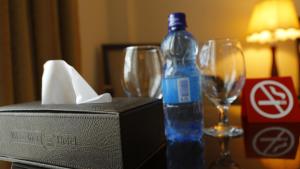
column 223, row 76
column 142, row 73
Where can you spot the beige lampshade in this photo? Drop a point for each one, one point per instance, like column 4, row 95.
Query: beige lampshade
column 272, row 21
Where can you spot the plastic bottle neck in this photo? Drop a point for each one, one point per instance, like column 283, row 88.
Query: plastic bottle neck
column 176, row 28
column 181, row 62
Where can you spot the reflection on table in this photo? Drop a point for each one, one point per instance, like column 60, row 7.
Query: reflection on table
column 188, row 155
column 224, row 161
column 264, row 145
column 271, row 140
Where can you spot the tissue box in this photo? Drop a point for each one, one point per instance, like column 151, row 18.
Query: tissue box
column 117, row 135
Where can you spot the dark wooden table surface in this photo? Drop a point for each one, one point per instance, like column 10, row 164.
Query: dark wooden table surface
column 263, row 146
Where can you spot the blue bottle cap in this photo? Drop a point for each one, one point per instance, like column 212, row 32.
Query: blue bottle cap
column 177, row 20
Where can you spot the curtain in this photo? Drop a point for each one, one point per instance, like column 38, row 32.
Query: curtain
column 32, row 32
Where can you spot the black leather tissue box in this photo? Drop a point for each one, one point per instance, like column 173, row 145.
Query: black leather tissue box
column 118, row 135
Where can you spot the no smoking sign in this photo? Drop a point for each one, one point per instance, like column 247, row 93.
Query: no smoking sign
column 270, row 100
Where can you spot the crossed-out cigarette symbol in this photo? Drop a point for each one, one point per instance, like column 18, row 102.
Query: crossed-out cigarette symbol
column 279, row 144
column 285, row 98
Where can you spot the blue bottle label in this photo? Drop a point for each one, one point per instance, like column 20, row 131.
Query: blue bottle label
column 181, row 90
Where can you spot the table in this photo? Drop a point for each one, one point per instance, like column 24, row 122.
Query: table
column 262, row 146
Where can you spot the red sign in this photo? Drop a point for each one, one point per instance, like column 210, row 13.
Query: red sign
column 270, row 100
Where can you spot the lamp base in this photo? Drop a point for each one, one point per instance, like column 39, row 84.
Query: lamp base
column 274, row 71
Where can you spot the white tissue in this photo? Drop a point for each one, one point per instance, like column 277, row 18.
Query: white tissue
column 62, row 84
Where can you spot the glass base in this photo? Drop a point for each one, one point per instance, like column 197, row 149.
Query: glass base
column 223, row 131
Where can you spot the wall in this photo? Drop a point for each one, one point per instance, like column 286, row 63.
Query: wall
column 116, row 21
column 297, row 2
column 101, row 21
column 206, row 19
column 93, row 32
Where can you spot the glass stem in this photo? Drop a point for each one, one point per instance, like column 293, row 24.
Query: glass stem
column 223, row 114
column 224, row 146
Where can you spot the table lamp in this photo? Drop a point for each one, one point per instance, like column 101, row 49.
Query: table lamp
column 273, row 21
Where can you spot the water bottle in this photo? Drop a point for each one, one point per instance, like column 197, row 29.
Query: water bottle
column 181, row 86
